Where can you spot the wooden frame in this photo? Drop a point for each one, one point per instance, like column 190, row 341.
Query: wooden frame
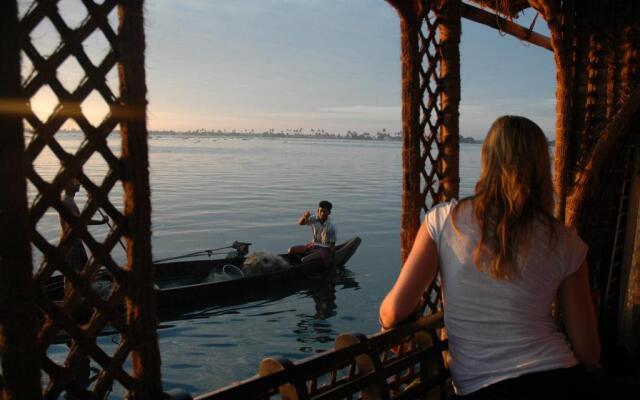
column 132, row 281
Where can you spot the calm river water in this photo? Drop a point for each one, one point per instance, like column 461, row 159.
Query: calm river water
column 208, row 192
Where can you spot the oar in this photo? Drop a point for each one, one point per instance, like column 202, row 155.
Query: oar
column 209, row 252
column 111, row 227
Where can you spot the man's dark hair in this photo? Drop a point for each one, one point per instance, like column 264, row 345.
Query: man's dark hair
column 326, row 205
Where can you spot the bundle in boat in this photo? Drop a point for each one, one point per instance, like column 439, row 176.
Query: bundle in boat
column 264, row 262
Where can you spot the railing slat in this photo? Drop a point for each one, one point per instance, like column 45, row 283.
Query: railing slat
column 366, row 363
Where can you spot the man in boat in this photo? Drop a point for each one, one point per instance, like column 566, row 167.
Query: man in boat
column 76, row 258
column 323, row 244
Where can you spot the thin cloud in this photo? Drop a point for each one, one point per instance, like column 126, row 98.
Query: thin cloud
column 364, row 111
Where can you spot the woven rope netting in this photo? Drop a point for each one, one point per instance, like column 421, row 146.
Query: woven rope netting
column 430, row 124
column 431, row 118
column 605, row 72
column 48, row 75
column 439, row 94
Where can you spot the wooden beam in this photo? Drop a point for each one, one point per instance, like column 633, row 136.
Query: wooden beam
column 494, row 21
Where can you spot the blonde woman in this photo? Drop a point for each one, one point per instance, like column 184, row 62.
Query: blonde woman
column 503, row 260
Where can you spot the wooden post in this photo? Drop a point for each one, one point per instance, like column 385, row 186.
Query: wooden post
column 20, row 358
column 561, row 26
column 411, row 164
column 140, row 300
column 449, row 30
column 603, row 151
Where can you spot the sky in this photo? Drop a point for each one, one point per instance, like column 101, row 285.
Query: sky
column 309, row 64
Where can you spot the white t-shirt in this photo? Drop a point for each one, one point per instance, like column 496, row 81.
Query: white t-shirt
column 501, row 329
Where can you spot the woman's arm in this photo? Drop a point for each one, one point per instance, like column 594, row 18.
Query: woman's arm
column 580, row 317
column 417, row 273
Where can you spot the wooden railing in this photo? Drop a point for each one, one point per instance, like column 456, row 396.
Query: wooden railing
column 402, row 363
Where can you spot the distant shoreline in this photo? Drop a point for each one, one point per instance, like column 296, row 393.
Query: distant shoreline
column 379, row 136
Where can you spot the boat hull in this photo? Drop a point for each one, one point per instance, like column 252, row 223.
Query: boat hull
column 189, row 280
column 185, row 282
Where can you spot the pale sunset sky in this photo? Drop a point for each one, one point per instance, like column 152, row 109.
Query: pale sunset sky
column 310, row 64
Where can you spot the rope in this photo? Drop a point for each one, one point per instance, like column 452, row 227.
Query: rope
column 530, row 30
column 533, row 23
column 500, row 31
column 227, row 268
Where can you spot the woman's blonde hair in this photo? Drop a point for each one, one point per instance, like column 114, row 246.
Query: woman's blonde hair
column 513, row 191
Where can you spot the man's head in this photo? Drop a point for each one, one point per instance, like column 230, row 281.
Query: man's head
column 72, row 186
column 324, row 209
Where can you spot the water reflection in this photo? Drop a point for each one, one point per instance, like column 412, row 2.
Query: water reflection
column 310, row 329
column 316, row 328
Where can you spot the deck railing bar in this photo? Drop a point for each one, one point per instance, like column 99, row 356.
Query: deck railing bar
column 357, row 384
column 328, row 387
column 311, row 366
column 414, row 391
column 258, row 384
column 432, row 321
column 331, row 383
column 251, row 386
column 410, row 360
column 368, row 363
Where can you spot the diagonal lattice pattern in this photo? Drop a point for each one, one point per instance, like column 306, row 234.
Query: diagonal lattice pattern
column 104, row 310
column 431, row 121
column 431, row 118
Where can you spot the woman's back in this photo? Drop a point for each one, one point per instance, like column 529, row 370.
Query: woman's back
column 503, row 259
column 500, row 329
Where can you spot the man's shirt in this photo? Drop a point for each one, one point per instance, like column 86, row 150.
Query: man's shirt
column 71, row 205
column 323, row 233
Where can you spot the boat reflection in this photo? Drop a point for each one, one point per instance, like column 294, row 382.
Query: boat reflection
column 314, row 329
column 320, row 287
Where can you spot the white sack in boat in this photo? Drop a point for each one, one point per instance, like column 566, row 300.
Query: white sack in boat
column 262, row 262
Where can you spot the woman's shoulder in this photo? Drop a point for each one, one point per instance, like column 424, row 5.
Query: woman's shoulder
column 562, row 236
column 444, row 207
column 566, row 243
column 437, row 216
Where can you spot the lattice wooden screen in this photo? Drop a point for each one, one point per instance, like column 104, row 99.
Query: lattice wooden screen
column 431, row 119
column 135, row 363
column 439, row 37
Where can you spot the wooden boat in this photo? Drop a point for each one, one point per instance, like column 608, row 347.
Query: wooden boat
column 181, row 283
column 320, row 288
